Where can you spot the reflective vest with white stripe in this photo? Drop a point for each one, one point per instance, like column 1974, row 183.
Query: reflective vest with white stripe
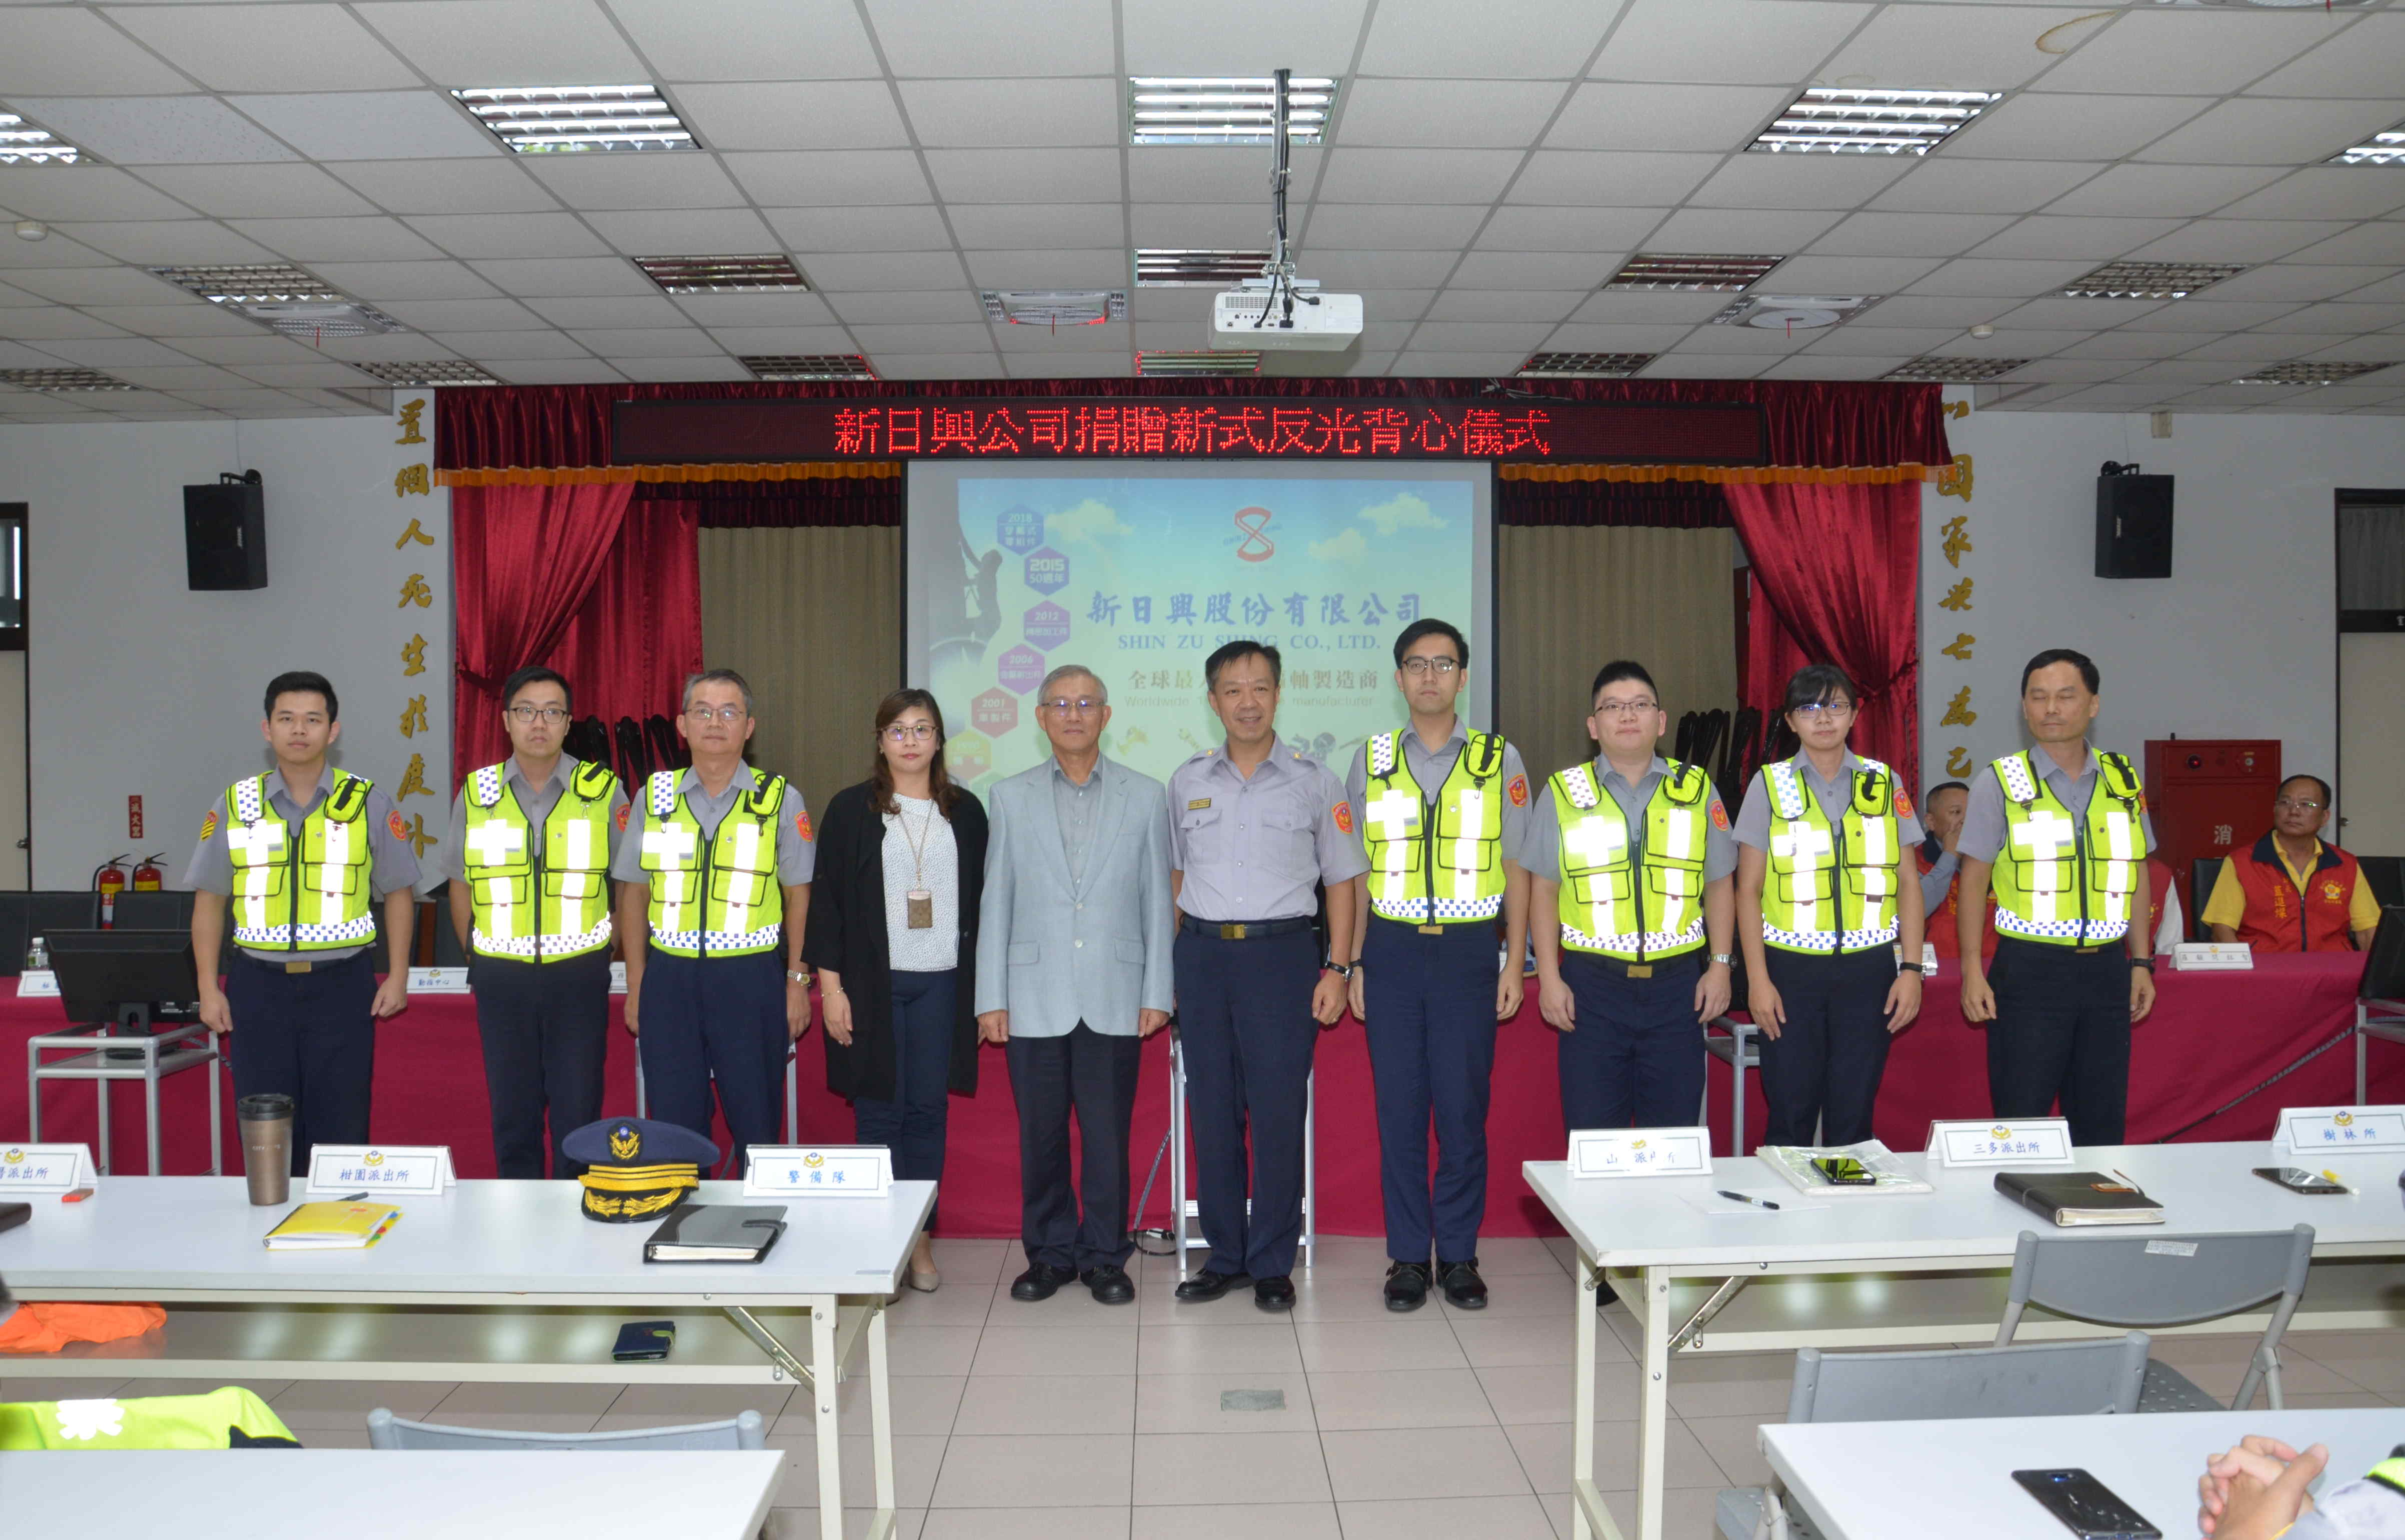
column 1639, row 903
column 538, row 906
column 719, row 899
column 1805, row 906
column 1452, row 865
column 309, row 895
column 2067, row 880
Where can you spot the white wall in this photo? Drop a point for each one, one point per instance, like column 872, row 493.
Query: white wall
column 140, row 686
column 2239, row 642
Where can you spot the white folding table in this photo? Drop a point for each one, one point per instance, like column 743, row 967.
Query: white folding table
column 1833, row 1277
column 496, row 1280
column 1910, row 1481
column 365, row 1494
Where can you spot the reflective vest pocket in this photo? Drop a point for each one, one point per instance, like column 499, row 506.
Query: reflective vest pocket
column 571, row 885
column 748, row 889
column 1595, row 887
column 267, row 875
column 1675, row 881
column 513, row 887
column 325, row 878
column 679, row 887
column 1801, row 887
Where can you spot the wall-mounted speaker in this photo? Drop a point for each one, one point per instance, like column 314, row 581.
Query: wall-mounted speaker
column 2133, row 524
column 225, row 534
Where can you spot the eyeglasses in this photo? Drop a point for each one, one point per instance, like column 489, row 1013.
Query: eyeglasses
column 703, row 715
column 554, row 715
column 1825, row 711
column 916, row 732
column 2292, row 805
column 1422, row 667
column 1068, row 708
column 1626, row 708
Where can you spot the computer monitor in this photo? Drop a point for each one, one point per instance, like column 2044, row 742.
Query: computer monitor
column 126, row 978
column 2383, row 965
column 165, row 909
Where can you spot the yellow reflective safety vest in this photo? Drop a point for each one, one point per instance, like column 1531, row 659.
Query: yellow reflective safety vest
column 304, row 895
column 538, row 904
column 2063, row 880
column 1831, row 888
column 1642, row 902
column 1447, row 870
column 718, row 898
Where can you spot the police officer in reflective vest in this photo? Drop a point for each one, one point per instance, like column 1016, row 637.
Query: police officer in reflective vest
column 1629, row 857
column 300, row 854
column 1441, row 813
column 1824, row 903
column 714, row 877
column 529, row 861
column 2064, row 831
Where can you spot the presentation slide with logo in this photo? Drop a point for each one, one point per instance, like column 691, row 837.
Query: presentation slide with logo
column 1140, row 570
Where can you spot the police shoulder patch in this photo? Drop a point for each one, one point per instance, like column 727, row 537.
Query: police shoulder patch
column 392, row 821
column 802, row 824
column 626, row 810
column 1720, row 815
column 209, row 824
column 1518, row 791
column 1345, row 817
column 1903, row 801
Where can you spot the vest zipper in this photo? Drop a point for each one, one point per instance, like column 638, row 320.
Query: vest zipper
column 2079, row 866
column 1837, row 875
column 292, row 870
column 534, row 861
column 1636, row 870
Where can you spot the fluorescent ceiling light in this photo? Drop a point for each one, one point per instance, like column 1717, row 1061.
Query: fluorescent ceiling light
column 722, row 275
column 1693, row 274
column 1054, row 307
column 61, row 379
column 2149, row 280
column 2386, row 148
column 1583, row 365
column 1871, row 121
column 22, row 143
column 252, row 283
column 568, row 119
column 1210, row 361
column 442, row 372
column 1175, row 109
column 1170, row 268
column 808, row 366
column 2311, row 373
column 1957, row 369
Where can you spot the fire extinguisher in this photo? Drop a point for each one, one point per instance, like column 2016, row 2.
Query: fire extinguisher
column 110, row 879
column 148, row 878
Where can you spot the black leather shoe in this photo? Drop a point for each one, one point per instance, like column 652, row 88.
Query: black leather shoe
column 1110, row 1284
column 1273, row 1293
column 1406, row 1285
column 1464, row 1290
column 1041, row 1281
column 1207, row 1285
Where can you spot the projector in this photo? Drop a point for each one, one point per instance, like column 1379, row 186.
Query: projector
column 1319, row 323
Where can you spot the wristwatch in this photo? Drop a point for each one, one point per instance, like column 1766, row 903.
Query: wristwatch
column 1726, row 960
column 1909, row 968
column 802, row 977
column 1341, row 969
column 2145, row 962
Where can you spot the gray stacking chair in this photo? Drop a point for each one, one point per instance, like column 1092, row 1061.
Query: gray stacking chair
column 745, row 1431
column 2046, row 1380
column 2166, row 1281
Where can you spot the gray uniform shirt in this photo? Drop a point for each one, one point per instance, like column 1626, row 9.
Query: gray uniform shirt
column 1256, row 848
column 796, row 850
column 1541, row 855
column 1939, row 877
column 1983, row 822
column 391, row 864
column 1753, row 819
column 443, row 862
column 1077, row 806
column 1429, row 767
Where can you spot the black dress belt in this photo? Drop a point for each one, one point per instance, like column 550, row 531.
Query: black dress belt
column 1244, row 930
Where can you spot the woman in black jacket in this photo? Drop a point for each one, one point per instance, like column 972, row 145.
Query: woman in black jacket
column 893, row 933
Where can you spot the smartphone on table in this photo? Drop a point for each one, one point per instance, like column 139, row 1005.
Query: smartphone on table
column 642, row 1340
column 2087, row 1507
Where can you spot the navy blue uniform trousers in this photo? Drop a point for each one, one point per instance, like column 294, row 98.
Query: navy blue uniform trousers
column 716, row 1018
column 912, row 1124
column 2061, row 1032
column 544, row 1027
column 1824, row 1070
column 1093, row 1074
column 1637, row 1057
column 309, row 1036
column 1245, row 1032
column 1430, row 1000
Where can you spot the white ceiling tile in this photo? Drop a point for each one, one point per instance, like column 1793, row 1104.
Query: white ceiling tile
column 72, row 51
column 1960, row 47
column 535, row 372
column 2343, row 320
column 1491, row 304
column 382, row 125
column 83, row 286
column 465, row 316
column 684, row 232
column 1033, row 176
column 2057, row 313
column 898, row 227
column 2065, row 372
column 1194, row 304
column 1854, row 340
column 2298, row 281
column 398, row 347
column 1393, row 227
column 2186, row 50
column 304, row 374
column 260, row 347
column 1048, row 269
column 474, row 235
column 2204, row 312
column 34, row 324
column 1735, row 42
column 84, row 192
column 1514, row 228
column 1917, row 310
column 447, row 187
column 1365, row 365
column 1203, row 227
column 1211, row 174
column 672, row 369
column 1108, row 337
column 1178, row 336
column 1447, row 114
column 172, row 320
column 2367, row 59
column 839, row 271
column 2251, row 131
column 2163, row 189
column 1348, row 271
column 154, row 130
column 1535, row 40
column 984, row 113
column 1799, row 181
column 253, row 401
column 108, row 353
column 377, row 282
column 750, row 39
column 359, row 239
column 1068, row 366
column 1173, row 37
column 2386, row 345
column 1909, row 234
column 1588, row 337
column 2257, row 347
column 2381, row 241
column 187, row 376
column 1628, row 117
column 2124, row 346
column 506, row 42
column 567, row 277
column 1763, row 230
column 266, row 48
column 2222, row 240
column 757, row 310
column 801, row 177
column 1432, row 364
column 2180, row 371
column 290, row 190
column 517, row 345
column 950, row 304
column 1578, row 271
column 820, row 115
column 2044, row 126
column 1416, row 176
column 1674, row 366
column 1984, row 276
column 679, row 342
column 997, row 38
column 1650, row 309
column 621, row 311
column 636, row 181
column 2327, row 193
column 1983, row 187
column 1824, row 366
column 1608, row 178
column 995, row 226
column 938, row 366
column 169, row 240
column 1748, row 339
column 1852, row 275
column 2097, row 239
column 759, row 340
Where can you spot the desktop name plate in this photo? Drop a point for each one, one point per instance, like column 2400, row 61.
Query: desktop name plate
column 383, row 1170
column 2342, row 1130
column 819, row 1171
column 1640, row 1152
column 2029, row 1142
column 26, row 1169
column 438, row 981
column 2212, row 957
column 37, row 984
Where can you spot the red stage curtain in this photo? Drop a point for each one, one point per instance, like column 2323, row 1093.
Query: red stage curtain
column 816, row 503
column 637, row 638
column 1654, row 505
column 1835, row 580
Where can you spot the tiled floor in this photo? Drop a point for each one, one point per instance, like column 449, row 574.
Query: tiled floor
column 1161, row 1422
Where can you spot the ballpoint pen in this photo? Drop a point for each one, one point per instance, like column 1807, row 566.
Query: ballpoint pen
column 1742, row 1198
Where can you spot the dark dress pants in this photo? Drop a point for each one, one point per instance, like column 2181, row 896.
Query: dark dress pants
column 1637, row 1057
column 1246, row 1037
column 1823, row 1073
column 2061, row 1032
column 309, row 1036
column 1430, row 1000
column 544, row 1027
column 719, row 1018
column 913, row 1122
column 1092, row 1074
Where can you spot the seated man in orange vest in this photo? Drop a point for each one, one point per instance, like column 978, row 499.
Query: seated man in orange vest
column 2291, row 893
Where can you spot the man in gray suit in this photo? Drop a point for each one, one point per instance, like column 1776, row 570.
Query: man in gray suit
column 1073, row 972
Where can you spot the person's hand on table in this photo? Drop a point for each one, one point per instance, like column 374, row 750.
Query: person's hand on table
column 1763, row 1002
column 835, row 1007
column 392, row 996
column 1556, row 1005
column 1712, row 992
column 2142, row 993
column 215, row 1015
column 1903, row 1000
column 2256, row 1490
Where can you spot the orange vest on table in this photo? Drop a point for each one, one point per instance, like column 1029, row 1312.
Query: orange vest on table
column 2277, row 919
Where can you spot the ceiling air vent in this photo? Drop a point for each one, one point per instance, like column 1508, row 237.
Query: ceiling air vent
column 317, row 321
column 1156, row 363
column 1793, row 312
column 1583, row 365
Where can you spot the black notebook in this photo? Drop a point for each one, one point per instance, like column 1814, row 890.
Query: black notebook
column 2069, row 1198
column 716, row 1232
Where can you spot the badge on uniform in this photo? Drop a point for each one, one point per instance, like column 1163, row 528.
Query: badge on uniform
column 1198, row 805
column 919, row 909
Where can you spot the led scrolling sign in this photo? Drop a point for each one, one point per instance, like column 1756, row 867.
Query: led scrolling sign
column 757, row 430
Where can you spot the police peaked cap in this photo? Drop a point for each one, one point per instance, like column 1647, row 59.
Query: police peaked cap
column 638, row 1167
